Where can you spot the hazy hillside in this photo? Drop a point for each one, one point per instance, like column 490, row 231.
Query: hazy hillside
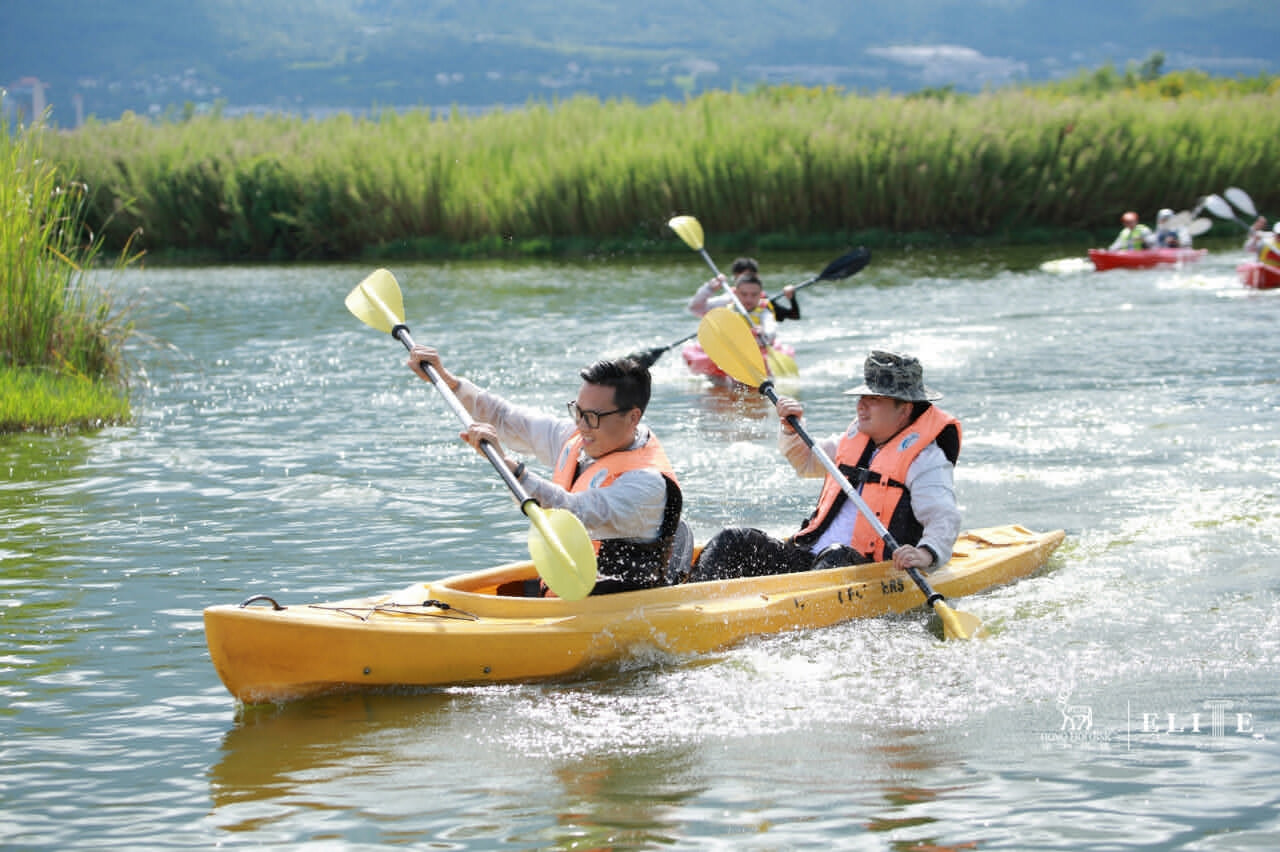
column 311, row 55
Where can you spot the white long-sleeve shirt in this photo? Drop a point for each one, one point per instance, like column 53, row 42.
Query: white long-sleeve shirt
column 930, row 479
column 631, row 507
column 702, row 302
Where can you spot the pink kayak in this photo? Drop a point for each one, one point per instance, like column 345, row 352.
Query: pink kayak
column 700, row 362
column 1260, row 276
column 1104, row 259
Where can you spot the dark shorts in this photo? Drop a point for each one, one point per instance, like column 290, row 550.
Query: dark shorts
column 747, row 552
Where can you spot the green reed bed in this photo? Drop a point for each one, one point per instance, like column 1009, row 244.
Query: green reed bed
column 782, row 164
column 61, row 340
column 32, row 400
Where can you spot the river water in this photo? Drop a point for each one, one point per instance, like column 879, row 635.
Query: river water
column 1128, row 698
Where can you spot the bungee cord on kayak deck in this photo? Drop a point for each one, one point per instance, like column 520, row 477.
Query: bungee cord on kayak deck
column 401, row 609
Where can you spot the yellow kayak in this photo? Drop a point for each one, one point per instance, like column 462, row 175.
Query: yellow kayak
column 462, row 630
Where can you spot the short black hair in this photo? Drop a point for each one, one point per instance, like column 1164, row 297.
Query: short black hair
column 745, row 264
column 629, row 379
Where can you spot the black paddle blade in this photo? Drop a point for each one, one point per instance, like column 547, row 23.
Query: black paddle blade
column 649, row 357
column 846, row 265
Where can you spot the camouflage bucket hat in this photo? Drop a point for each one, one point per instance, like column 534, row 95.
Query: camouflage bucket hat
column 893, row 375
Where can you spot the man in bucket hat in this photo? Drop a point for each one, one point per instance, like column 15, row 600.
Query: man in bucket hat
column 900, row 454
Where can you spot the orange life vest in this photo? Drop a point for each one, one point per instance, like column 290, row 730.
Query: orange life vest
column 883, row 482
column 625, row 563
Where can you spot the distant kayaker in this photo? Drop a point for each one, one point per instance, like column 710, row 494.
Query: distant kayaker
column 1134, row 236
column 1269, row 250
column 1168, row 234
column 1258, row 234
column 900, row 454
column 765, row 313
column 608, row 468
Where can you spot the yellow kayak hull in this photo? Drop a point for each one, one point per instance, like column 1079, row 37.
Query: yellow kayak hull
column 460, row 630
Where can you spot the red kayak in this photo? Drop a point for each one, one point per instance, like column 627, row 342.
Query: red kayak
column 700, row 362
column 1104, row 259
column 1260, row 276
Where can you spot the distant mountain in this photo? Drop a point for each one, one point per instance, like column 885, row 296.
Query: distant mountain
column 311, row 56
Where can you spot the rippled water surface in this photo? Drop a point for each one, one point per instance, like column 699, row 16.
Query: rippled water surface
column 280, row 446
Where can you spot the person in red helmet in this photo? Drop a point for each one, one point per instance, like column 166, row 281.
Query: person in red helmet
column 1134, row 236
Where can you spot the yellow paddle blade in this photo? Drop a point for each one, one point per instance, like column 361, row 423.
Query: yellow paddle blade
column 958, row 625
column 689, row 229
column 376, row 301
column 727, row 339
column 780, row 363
column 562, row 552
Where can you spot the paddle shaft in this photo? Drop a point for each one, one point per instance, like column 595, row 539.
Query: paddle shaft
column 890, row 543
column 401, row 333
column 649, row 357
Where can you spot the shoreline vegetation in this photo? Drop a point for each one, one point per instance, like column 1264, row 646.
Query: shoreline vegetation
column 61, row 336
column 772, row 169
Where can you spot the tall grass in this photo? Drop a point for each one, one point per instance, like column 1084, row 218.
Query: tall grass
column 785, row 162
column 60, row 336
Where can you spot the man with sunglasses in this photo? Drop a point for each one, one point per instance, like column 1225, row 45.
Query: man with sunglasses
column 608, row 468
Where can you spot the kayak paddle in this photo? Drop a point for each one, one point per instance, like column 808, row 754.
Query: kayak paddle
column 731, row 345
column 1241, row 199
column 1199, row 225
column 1193, row 226
column 558, row 542
column 1067, row 264
column 842, row 267
column 1220, row 208
column 689, row 229
column 649, row 357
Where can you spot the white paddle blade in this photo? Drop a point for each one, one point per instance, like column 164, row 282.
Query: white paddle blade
column 688, row 229
column 1067, row 264
column 1198, row 226
column 562, row 552
column 376, row 301
column 1218, row 207
column 1241, row 199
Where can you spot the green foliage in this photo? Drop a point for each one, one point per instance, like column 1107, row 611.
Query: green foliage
column 776, row 163
column 44, row 400
column 53, row 320
column 1147, row 81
